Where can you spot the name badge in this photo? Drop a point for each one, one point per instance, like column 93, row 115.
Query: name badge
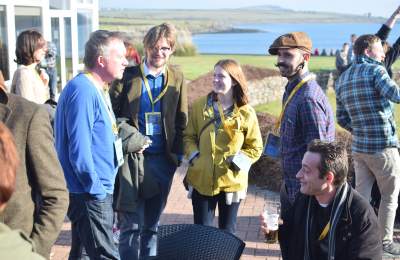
column 272, row 146
column 118, row 152
column 153, row 123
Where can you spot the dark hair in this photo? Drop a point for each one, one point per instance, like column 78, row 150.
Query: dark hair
column 364, row 42
column 97, row 45
column 164, row 30
column 9, row 162
column 333, row 159
column 235, row 71
column 28, row 42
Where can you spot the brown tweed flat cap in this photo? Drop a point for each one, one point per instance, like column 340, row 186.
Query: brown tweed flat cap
column 299, row 40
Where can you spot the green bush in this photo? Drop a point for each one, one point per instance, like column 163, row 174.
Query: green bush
column 185, row 49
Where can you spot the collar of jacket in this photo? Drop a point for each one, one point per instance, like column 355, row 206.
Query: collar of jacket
column 365, row 59
column 290, row 85
column 208, row 110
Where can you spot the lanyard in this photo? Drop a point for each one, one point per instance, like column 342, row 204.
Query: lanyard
column 296, row 88
column 109, row 109
column 146, row 84
column 222, row 116
column 325, row 231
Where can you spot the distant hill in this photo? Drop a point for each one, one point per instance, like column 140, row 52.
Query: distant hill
column 266, row 7
column 137, row 21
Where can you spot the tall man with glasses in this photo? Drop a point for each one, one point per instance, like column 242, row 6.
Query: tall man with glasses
column 153, row 97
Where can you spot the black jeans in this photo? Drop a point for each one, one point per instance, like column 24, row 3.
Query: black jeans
column 91, row 227
column 204, row 211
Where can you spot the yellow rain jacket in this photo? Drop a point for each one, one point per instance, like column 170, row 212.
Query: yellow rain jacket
column 210, row 173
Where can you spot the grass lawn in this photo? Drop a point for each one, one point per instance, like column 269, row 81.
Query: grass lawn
column 195, row 66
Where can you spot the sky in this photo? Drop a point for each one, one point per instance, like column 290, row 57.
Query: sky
column 382, row 8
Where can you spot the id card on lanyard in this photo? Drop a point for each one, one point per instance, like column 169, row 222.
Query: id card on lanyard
column 117, row 142
column 273, row 142
column 153, row 120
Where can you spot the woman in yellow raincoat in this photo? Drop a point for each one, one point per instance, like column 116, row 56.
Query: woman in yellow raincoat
column 222, row 140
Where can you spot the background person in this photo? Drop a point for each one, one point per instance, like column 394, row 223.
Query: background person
column 49, row 63
column 391, row 52
column 225, row 115
column 341, row 58
column 350, row 54
column 29, row 81
column 364, row 93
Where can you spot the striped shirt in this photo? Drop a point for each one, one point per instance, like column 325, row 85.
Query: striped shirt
column 308, row 116
column 364, row 96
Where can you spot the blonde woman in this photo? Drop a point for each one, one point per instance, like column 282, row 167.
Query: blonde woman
column 222, row 140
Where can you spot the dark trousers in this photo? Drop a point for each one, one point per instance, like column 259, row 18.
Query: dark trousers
column 91, row 227
column 52, row 72
column 139, row 229
column 204, row 211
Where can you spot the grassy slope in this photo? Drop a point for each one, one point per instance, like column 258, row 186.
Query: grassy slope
column 195, row 66
column 198, row 65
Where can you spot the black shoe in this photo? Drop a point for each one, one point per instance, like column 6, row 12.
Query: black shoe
column 392, row 248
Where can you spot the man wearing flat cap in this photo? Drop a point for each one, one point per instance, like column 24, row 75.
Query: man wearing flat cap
column 306, row 112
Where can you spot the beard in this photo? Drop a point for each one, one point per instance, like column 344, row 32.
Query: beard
column 288, row 71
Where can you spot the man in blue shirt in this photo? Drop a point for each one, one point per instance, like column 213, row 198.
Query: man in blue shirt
column 364, row 93
column 153, row 96
column 89, row 148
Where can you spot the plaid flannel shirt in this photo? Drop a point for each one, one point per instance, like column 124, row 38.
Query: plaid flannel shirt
column 308, row 116
column 364, row 94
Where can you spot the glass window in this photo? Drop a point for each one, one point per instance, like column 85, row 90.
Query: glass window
column 60, row 4
column 85, row 1
column 27, row 18
column 68, row 47
column 3, row 44
column 84, row 30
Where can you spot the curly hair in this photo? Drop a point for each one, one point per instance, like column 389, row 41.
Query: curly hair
column 333, row 159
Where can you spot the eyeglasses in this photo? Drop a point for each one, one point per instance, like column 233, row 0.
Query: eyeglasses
column 162, row 49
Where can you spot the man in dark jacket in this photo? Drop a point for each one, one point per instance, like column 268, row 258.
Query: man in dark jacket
column 329, row 219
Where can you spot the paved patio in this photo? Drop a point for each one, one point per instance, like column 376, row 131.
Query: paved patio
column 179, row 210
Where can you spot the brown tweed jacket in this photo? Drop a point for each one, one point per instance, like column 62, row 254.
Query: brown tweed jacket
column 40, row 200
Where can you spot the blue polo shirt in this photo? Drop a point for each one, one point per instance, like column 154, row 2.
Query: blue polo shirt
column 156, row 83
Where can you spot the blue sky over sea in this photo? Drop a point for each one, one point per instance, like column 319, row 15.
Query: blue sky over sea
column 375, row 7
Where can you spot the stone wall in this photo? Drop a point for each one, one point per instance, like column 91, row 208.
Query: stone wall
column 266, row 90
column 272, row 88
